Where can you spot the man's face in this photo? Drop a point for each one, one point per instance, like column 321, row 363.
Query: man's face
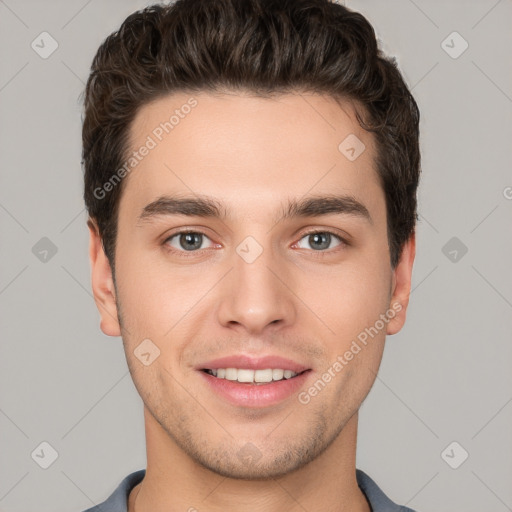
column 254, row 282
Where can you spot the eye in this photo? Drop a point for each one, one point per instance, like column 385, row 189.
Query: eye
column 187, row 241
column 320, row 240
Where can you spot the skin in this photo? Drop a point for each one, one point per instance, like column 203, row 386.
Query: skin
column 294, row 300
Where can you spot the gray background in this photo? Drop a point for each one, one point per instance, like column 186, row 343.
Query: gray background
column 444, row 378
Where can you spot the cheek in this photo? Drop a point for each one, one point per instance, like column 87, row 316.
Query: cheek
column 347, row 298
column 152, row 297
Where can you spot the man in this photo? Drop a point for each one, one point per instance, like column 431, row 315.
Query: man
column 251, row 169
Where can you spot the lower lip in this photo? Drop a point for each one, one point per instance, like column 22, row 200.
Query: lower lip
column 256, row 395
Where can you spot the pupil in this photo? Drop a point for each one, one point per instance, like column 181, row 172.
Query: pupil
column 190, row 238
column 320, row 238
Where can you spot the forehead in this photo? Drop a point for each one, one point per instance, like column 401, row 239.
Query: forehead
column 248, row 150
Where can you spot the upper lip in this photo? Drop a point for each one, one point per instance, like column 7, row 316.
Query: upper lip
column 253, row 363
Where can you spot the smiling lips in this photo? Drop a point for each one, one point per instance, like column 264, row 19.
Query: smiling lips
column 247, row 381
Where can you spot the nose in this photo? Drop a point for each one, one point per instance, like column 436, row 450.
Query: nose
column 256, row 294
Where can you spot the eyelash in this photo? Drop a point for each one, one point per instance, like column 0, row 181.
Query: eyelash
column 319, row 253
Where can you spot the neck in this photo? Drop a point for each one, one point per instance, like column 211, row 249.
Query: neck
column 174, row 481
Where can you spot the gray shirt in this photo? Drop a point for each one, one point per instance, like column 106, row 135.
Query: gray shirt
column 379, row 502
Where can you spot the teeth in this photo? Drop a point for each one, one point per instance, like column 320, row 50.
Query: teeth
column 263, row 375
column 277, row 374
column 254, row 376
column 231, row 374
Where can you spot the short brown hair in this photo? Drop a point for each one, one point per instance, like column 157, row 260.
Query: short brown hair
column 262, row 46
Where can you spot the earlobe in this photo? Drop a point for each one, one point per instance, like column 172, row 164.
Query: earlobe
column 102, row 283
column 401, row 286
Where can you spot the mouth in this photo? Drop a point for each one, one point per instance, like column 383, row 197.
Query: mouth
column 255, row 381
column 240, row 387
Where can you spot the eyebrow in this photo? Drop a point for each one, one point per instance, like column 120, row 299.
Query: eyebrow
column 312, row 206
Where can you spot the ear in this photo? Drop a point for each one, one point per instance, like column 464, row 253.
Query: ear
column 102, row 283
column 401, row 286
